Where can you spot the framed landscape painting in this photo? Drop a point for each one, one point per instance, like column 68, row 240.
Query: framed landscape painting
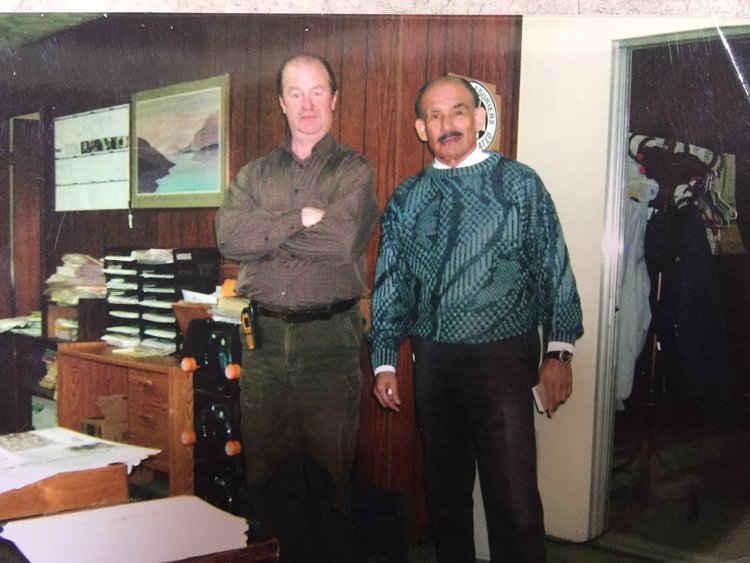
column 178, row 139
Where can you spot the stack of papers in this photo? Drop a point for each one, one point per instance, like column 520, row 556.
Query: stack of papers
column 49, row 380
column 28, row 457
column 159, row 346
column 31, row 324
column 229, row 309
column 80, row 275
column 120, row 340
column 154, row 256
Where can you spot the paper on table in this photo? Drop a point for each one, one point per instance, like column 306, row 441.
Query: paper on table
column 166, row 529
column 154, row 256
column 196, row 297
column 156, row 303
column 28, row 457
column 121, row 340
column 157, row 318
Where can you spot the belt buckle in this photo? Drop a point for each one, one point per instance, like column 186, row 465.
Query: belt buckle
column 309, row 316
column 302, row 316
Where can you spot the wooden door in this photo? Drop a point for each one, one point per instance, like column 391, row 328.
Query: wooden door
column 27, row 192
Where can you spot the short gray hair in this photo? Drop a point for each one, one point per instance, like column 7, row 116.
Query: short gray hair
column 447, row 78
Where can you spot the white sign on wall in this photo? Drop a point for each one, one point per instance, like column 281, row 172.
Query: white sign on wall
column 488, row 138
column 92, row 160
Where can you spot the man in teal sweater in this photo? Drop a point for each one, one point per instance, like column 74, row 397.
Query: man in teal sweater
column 472, row 262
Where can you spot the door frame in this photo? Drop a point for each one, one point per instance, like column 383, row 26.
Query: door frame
column 612, row 245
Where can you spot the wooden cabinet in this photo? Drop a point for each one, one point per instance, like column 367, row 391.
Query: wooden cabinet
column 160, row 401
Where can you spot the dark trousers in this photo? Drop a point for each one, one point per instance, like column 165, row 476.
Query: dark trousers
column 300, row 396
column 475, row 411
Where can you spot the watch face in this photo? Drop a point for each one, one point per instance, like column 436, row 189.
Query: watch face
column 563, row 355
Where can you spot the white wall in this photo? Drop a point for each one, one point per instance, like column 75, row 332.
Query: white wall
column 564, row 101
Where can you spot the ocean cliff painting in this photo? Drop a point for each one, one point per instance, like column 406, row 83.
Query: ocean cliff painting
column 180, row 152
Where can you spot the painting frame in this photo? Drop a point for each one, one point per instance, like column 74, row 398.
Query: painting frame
column 179, row 144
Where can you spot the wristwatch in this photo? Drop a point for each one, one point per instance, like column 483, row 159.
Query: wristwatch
column 563, row 355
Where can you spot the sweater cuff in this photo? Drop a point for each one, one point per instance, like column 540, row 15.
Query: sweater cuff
column 383, row 358
column 563, row 337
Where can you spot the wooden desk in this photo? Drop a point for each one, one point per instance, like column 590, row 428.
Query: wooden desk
column 266, row 551
column 160, row 401
column 67, row 491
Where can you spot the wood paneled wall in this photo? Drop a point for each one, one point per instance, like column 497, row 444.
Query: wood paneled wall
column 381, row 62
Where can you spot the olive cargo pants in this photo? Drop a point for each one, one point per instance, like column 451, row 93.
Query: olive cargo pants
column 300, row 394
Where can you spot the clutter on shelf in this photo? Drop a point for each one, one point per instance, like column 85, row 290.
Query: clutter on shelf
column 79, row 276
column 142, row 287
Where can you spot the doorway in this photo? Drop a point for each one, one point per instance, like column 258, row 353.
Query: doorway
column 678, row 479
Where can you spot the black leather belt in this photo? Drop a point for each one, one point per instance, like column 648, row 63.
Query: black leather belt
column 307, row 315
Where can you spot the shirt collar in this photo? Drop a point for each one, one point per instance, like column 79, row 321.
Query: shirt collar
column 322, row 147
column 475, row 157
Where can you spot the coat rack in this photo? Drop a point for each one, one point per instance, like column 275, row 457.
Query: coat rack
column 669, row 169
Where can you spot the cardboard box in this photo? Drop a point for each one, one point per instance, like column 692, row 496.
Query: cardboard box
column 113, row 424
column 114, row 408
column 101, row 428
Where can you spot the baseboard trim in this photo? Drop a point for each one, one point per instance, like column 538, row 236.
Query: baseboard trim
column 622, row 543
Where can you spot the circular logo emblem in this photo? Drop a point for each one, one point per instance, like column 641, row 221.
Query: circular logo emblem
column 487, row 101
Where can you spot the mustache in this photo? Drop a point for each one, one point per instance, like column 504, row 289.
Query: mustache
column 449, row 135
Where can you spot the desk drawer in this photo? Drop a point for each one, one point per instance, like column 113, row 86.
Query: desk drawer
column 148, row 411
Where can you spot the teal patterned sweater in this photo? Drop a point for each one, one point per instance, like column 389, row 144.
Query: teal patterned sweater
column 472, row 255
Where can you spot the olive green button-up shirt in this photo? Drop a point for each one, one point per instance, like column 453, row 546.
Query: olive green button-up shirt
column 283, row 263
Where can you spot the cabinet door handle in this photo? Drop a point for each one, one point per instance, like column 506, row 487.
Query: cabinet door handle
column 146, row 417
